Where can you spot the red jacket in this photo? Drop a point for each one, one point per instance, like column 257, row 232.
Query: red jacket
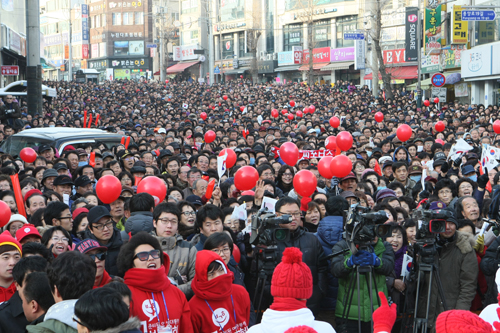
column 217, row 302
column 149, row 284
column 105, row 279
column 6, row 293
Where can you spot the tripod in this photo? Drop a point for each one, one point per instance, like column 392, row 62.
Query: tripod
column 367, row 271
column 269, row 261
column 427, row 268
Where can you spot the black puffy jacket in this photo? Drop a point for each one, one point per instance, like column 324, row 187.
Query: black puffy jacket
column 114, row 245
column 490, row 262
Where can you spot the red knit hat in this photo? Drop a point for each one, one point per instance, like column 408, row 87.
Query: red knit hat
column 301, row 329
column 292, row 278
column 461, row 321
column 7, row 239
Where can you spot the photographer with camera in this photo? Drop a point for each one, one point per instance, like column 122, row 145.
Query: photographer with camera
column 9, row 112
column 362, row 249
column 457, row 265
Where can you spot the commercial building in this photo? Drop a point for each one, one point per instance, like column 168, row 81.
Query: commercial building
column 12, row 40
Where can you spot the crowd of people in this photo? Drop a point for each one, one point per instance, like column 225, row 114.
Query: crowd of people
column 71, row 263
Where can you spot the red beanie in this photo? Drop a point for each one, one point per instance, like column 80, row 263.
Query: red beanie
column 292, row 278
column 461, row 321
column 7, row 239
column 301, row 329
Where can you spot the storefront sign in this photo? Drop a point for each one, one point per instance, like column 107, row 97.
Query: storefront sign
column 320, row 55
column 133, row 63
column 394, row 56
column 126, row 4
column 285, row 58
column 486, row 32
column 359, row 54
column 10, row 70
column 185, row 52
column 432, row 30
column 342, row 54
column 461, row 90
column 460, row 29
column 266, row 67
column 411, row 50
column 14, row 41
column 430, row 63
column 98, row 64
column 297, row 54
column 121, row 35
column 477, row 61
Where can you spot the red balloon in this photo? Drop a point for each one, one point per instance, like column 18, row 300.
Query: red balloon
column 439, row 126
column 404, row 132
column 284, row 112
column 440, row 141
column 166, row 81
column 304, row 183
column 312, row 108
column 242, row 108
column 341, row 166
column 203, row 115
column 324, row 167
column 4, row 214
column 344, row 141
column 331, row 142
column 299, row 114
column 289, row 153
column 231, row 157
column 246, row 178
column 306, row 110
column 224, row 97
column 379, row 117
column 275, row 113
column 154, row 186
column 436, row 100
column 290, row 116
column 210, row 136
column 108, row 189
column 292, row 103
column 28, row 155
column 334, row 122
column 496, row 126
column 427, row 103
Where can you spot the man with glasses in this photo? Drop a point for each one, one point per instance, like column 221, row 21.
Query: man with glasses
column 201, row 162
column 101, row 228
column 9, row 111
column 57, row 214
column 192, row 175
column 97, row 253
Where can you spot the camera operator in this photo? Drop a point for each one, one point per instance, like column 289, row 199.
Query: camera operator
column 458, row 269
column 380, row 255
column 313, row 255
column 9, row 111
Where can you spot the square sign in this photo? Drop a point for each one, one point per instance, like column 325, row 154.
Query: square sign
column 10, row 70
column 354, row 36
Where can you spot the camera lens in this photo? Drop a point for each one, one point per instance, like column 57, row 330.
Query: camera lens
column 280, row 234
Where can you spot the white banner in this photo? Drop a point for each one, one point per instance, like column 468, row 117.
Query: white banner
column 461, row 90
column 359, row 54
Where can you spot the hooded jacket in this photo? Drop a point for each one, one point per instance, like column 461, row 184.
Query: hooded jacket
column 182, row 259
column 329, row 233
column 151, row 289
column 138, row 221
column 58, row 319
column 217, row 303
column 407, row 160
column 6, row 293
column 114, row 245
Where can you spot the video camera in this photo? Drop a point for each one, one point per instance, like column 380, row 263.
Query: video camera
column 362, row 226
column 266, row 230
column 430, row 222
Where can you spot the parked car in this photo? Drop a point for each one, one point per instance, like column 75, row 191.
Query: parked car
column 58, row 137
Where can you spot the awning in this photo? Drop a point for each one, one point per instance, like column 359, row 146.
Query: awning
column 427, row 83
column 338, row 65
column 240, row 70
column 398, row 73
column 315, row 66
column 180, row 67
column 287, row 68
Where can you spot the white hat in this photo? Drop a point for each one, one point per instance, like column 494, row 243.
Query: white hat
column 162, row 131
column 15, row 218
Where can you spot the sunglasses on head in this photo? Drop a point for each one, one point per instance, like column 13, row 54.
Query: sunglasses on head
column 143, row 256
column 101, row 256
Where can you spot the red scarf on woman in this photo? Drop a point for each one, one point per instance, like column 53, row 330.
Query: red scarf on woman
column 287, row 304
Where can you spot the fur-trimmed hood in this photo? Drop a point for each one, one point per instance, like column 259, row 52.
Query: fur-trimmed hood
column 465, row 243
column 131, row 325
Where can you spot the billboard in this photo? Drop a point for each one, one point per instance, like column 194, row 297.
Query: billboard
column 411, row 34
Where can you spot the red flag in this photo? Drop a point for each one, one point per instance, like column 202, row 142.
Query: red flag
column 122, row 140
column 97, row 119
column 84, row 118
column 18, row 194
column 210, row 189
column 126, row 142
column 137, row 180
column 488, row 187
column 92, row 159
column 377, row 168
column 90, row 121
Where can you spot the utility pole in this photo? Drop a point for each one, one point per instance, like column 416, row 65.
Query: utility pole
column 33, row 69
column 211, row 53
column 419, row 57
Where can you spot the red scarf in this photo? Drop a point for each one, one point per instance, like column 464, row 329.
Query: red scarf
column 105, row 279
column 287, row 304
column 216, row 289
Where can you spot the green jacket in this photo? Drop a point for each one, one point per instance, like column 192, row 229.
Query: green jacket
column 341, row 271
column 50, row 326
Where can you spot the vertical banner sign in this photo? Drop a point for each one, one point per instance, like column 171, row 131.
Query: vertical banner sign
column 460, row 29
column 411, row 33
column 85, row 32
column 432, row 30
column 359, row 54
column 486, row 32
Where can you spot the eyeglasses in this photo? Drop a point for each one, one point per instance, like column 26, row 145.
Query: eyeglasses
column 445, row 192
column 220, row 251
column 288, row 175
column 143, row 256
column 166, row 221
column 57, row 239
column 267, row 174
column 65, row 217
column 76, row 320
column 126, row 179
column 189, row 213
column 296, row 214
column 101, row 256
column 100, row 227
